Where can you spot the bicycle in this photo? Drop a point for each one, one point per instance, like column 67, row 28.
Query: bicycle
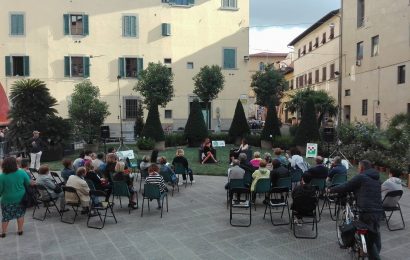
column 351, row 233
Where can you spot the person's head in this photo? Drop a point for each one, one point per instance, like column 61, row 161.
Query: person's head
column 81, row 172
column 36, row 134
column 180, row 152
column 67, row 163
column 43, row 170
column 319, row 160
column 337, row 160
column 82, row 154
column 110, row 158
column 100, row 156
column 9, row 165
column 119, row 167
column 294, row 151
column 306, row 178
column 275, row 163
column 277, row 151
column 88, row 153
column 267, row 157
column 89, row 166
column 262, row 164
column 242, row 157
column 162, row 160
column 207, row 140
column 153, row 168
column 93, row 156
column 364, row 165
column 244, row 141
column 256, row 154
column 111, row 150
column 235, row 162
column 18, row 161
column 394, row 172
column 146, row 158
column 25, row 163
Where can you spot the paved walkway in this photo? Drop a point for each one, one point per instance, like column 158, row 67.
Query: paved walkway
column 196, row 227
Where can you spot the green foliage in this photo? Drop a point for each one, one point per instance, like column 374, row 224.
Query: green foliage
column 145, row 144
column 153, row 128
column 239, row 126
column 87, row 111
column 308, row 130
column 268, row 86
column 271, row 128
column 32, row 108
column 293, row 129
column 208, row 83
column 195, row 128
column 175, row 139
column 139, row 121
column 155, row 85
column 284, row 142
column 254, row 140
column 324, row 103
column 222, row 136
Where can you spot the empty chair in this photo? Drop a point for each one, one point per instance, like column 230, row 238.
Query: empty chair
column 99, row 209
column 391, row 204
column 151, row 192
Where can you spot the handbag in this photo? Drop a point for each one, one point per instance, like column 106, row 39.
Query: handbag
column 347, row 232
column 29, row 199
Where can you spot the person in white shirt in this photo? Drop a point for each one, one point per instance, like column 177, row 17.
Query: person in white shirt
column 392, row 183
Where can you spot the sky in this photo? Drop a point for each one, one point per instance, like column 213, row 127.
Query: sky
column 275, row 23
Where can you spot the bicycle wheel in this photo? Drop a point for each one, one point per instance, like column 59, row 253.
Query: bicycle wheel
column 340, row 221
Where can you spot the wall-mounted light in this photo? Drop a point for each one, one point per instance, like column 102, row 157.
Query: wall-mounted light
column 246, row 58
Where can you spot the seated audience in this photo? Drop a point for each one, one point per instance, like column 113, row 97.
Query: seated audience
column 145, row 163
column 256, row 159
column 156, row 179
column 296, row 160
column 234, row 153
column 47, row 181
column 165, row 169
column 279, row 171
column 261, row 173
column 302, row 197
column 77, row 181
column 87, row 156
column 180, row 159
column 79, row 162
column 319, row 171
column 99, row 183
column 111, row 162
column 392, row 183
column 120, row 175
column 244, row 164
column 268, row 159
column 24, row 165
column 98, row 163
column 282, row 159
column 235, row 172
column 208, row 152
column 336, row 168
column 68, row 169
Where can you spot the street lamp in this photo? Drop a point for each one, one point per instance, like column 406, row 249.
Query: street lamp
column 120, row 117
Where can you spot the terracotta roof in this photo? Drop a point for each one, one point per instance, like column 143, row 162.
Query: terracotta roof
column 314, row 26
column 268, row 54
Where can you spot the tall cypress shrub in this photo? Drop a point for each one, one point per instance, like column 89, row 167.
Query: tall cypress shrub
column 308, row 130
column 272, row 124
column 195, row 128
column 239, row 127
column 153, row 128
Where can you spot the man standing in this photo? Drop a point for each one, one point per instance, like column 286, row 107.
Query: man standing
column 367, row 189
column 36, row 150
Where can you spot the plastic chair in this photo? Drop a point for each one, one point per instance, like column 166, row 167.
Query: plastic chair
column 391, row 204
column 296, row 175
column 99, row 207
column 43, row 196
column 73, row 205
column 279, row 200
column 120, row 189
column 310, row 213
column 284, row 182
column 144, row 175
column 168, row 180
column 180, row 169
column 338, row 179
column 151, row 192
column 262, row 186
column 241, row 204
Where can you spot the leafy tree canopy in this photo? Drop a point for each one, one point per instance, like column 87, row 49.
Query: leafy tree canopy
column 209, row 82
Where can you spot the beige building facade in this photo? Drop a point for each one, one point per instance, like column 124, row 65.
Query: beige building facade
column 65, row 42
column 376, row 60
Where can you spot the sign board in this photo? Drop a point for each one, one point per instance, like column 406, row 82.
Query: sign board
column 218, row 143
column 311, row 150
column 244, row 99
column 126, row 154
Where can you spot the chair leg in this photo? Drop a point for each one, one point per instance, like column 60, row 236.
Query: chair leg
column 142, row 209
column 162, row 206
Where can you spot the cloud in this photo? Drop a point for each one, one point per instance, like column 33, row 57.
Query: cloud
column 272, row 39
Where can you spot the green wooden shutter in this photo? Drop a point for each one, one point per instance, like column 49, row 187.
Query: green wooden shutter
column 229, row 59
column 67, row 67
column 121, row 67
column 133, row 30
column 140, row 66
column 66, row 18
column 191, row 2
column 125, row 26
column 137, row 26
column 166, row 29
column 20, row 24
column 85, row 25
column 8, row 65
column 26, row 64
column 86, row 67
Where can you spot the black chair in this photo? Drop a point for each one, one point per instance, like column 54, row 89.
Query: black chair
column 320, row 185
column 391, row 204
column 278, row 198
column 240, row 204
column 56, row 178
column 98, row 207
column 310, row 205
column 328, row 199
column 262, row 186
column 151, row 192
column 32, row 171
column 74, row 205
column 43, row 196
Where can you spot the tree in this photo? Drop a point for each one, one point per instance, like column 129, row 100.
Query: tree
column 208, row 83
column 153, row 128
column 268, row 86
column 155, row 85
column 308, row 130
column 272, row 124
column 195, row 128
column 239, row 126
column 139, row 121
column 324, row 103
column 32, row 108
column 87, row 111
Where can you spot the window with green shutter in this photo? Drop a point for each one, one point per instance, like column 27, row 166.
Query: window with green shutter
column 229, row 58
column 17, row 24
column 75, row 66
column 76, row 24
column 130, row 67
column 166, row 29
column 17, row 65
column 130, row 26
column 179, row 2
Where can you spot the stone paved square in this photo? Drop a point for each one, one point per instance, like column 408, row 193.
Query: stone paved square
column 196, row 227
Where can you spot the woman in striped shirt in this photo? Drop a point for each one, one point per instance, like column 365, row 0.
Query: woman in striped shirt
column 156, row 179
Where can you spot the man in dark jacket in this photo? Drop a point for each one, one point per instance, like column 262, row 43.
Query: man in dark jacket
column 367, row 189
column 36, row 150
column 279, row 171
column 244, row 164
column 304, row 198
column 320, row 171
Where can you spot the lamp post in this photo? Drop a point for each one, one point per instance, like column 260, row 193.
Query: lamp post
column 120, row 117
column 340, row 78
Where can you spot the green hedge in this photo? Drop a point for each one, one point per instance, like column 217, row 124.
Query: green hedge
column 175, row 139
column 145, row 143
